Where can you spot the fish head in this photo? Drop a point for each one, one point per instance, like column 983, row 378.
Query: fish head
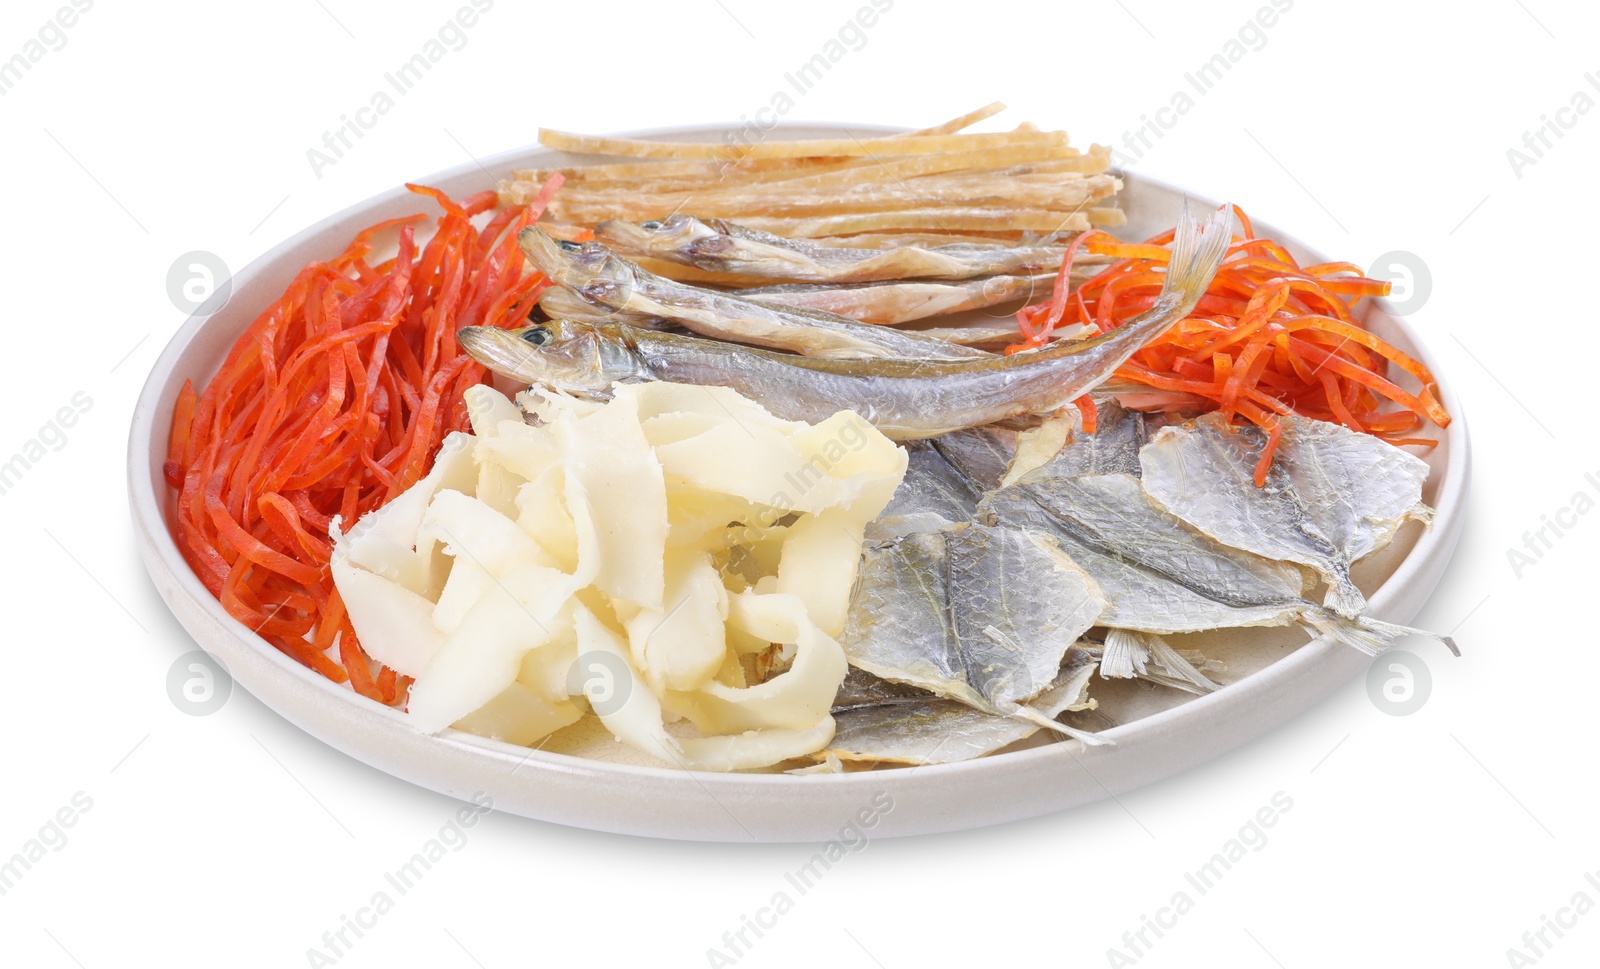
column 589, row 269
column 675, row 233
column 562, row 355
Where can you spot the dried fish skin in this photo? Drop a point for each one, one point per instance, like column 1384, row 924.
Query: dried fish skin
column 929, row 731
column 1113, row 448
column 862, row 689
column 1013, row 625
column 899, row 626
column 933, row 496
column 1159, row 575
column 1332, row 497
column 980, row 454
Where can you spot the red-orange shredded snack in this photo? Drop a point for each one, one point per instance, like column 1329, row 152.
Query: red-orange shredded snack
column 331, row 403
column 1270, row 337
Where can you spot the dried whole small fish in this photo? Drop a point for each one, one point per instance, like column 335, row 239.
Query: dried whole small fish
column 725, row 247
column 561, row 303
column 903, row 398
column 901, row 301
column 602, row 278
column 1333, row 496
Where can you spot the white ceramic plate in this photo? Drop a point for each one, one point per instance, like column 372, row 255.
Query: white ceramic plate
column 1271, row 680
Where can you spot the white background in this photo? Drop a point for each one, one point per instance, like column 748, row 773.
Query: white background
column 235, row 839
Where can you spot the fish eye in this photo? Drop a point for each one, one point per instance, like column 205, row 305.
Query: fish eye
column 536, row 335
column 652, row 225
column 569, row 245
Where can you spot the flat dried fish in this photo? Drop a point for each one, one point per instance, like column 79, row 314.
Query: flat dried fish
column 979, row 614
column 1159, row 575
column 1332, row 497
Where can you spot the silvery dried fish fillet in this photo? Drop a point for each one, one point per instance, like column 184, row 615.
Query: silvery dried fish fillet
column 1159, row 575
column 1139, row 596
column 1029, row 604
column 1332, row 497
column 979, row 614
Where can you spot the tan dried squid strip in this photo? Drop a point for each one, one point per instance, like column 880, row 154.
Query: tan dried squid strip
column 811, row 148
column 1052, row 193
column 1031, row 220
column 925, row 240
column 964, row 121
column 669, row 175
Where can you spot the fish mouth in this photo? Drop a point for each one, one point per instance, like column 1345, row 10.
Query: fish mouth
column 676, row 231
column 503, row 351
column 593, row 272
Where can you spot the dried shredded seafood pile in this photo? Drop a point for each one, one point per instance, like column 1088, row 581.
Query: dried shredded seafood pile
column 935, row 185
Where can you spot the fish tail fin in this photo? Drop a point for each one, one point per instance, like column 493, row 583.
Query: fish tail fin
column 1124, row 655
column 1344, row 598
column 1371, row 636
column 1128, row 654
column 1197, row 251
column 1184, row 674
